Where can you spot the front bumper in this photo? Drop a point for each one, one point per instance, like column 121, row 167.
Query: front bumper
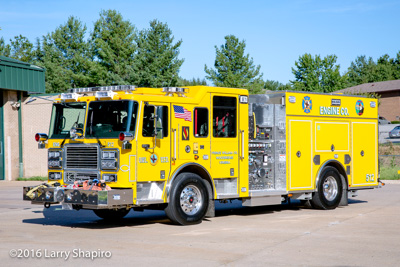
column 86, row 199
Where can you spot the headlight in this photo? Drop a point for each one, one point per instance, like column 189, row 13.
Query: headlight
column 109, row 164
column 108, row 155
column 109, row 159
column 54, row 163
column 54, row 160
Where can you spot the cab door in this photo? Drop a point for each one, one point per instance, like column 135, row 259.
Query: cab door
column 153, row 143
column 225, row 149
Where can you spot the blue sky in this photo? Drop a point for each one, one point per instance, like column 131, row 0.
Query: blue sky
column 276, row 32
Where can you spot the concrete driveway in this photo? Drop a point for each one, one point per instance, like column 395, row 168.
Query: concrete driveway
column 365, row 233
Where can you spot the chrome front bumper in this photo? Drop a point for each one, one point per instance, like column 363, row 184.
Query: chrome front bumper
column 87, row 199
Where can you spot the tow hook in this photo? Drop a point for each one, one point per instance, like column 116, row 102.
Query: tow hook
column 380, row 182
column 47, row 205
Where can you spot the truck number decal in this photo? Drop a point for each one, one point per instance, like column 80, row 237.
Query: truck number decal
column 164, row 159
column 370, row 178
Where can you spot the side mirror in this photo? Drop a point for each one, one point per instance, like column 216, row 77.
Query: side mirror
column 76, row 133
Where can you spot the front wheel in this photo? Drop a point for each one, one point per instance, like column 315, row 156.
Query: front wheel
column 111, row 215
column 188, row 200
column 329, row 190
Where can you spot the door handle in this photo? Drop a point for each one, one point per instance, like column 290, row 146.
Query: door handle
column 174, row 132
column 242, row 137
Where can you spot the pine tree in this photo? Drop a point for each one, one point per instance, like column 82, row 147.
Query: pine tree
column 233, row 68
column 66, row 57
column 156, row 62
column 113, row 47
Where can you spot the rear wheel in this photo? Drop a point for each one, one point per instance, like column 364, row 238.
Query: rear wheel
column 188, row 200
column 111, row 215
column 329, row 190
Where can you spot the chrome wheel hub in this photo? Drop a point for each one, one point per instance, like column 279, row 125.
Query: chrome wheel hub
column 191, row 200
column 330, row 188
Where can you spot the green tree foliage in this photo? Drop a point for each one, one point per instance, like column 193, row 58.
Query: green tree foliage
column 233, row 68
column 113, row 47
column 363, row 70
column 5, row 49
column 192, row 82
column 65, row 55
column 19, row 48
column 276, row 86
column 316, row 74
column 156, row 62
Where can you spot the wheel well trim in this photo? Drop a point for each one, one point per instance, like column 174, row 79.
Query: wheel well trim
column 341, row 172
column 179, row 170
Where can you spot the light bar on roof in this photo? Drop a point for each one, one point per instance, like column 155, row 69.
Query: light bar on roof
column 105, row 94
column 180, row 91
column 69, row 96
column 103, row 88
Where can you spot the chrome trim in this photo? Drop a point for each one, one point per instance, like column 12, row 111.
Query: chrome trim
column 147, row 202
column 174, row 131
column 169, row 182
column 225, row 196
column 260, row 193
column 242, row 137
column 83, row 146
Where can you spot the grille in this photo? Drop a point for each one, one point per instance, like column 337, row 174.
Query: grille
column 81, row 157
column 71, row 177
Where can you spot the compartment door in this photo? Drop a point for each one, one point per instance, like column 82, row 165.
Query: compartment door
column 364, row 154
column 300, row 155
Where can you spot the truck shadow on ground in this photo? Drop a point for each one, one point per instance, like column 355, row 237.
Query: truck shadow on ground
column 88, row 220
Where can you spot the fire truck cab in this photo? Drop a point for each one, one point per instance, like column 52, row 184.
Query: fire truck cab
column 114, row 148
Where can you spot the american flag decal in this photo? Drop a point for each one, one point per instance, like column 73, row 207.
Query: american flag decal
column 182, row 113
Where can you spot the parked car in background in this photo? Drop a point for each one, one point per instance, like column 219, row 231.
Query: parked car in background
column 382, row 120
column 395, row 133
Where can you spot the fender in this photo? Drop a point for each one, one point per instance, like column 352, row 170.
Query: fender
column 178, row 170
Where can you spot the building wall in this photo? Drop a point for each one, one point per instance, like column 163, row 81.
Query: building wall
column 35, row 119
column 11, row 136
column 390, row 105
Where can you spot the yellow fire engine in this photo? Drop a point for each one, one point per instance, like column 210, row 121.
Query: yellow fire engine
column 114, row 148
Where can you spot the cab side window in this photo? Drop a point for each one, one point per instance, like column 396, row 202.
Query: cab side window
column 149, row 118
column 200, row 123
column 224, row 116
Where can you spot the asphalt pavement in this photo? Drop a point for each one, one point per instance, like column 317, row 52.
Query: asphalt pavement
column 364, row 233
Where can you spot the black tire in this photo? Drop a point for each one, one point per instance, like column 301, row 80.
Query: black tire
column 188, row 202
column 329, row 190
column 111, row 215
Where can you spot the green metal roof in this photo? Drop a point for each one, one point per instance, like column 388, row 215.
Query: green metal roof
column 21, row 76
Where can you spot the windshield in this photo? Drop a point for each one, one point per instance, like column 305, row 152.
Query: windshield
column 64, row 116
column 109, row 118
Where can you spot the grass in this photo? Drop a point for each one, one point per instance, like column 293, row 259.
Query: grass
column 389, row 173
column 34, row 178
